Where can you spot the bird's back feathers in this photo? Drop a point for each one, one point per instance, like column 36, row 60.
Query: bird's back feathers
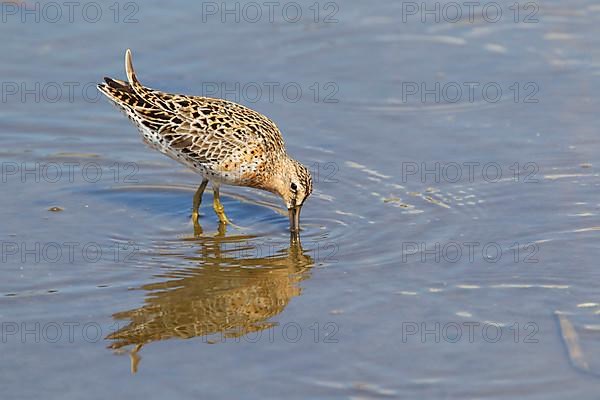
column 214, row 134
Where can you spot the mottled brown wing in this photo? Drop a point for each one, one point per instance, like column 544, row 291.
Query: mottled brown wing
column 221, row 135
column 217, row 132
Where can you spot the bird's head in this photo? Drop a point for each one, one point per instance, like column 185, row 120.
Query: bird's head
column 294, row 186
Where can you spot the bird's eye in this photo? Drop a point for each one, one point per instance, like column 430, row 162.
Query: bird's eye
column 294, row 187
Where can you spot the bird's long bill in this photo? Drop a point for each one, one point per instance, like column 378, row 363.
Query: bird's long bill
column 294, row 214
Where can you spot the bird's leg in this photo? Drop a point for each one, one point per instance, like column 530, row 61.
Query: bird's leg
column 198, row 200
column 198, row 231
column 219, row 209
column 221, row 231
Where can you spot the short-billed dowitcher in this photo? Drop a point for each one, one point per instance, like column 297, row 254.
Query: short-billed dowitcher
column 225, row 142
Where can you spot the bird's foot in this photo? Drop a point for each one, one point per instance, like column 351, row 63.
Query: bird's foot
column 197, row 228
column 223, row 220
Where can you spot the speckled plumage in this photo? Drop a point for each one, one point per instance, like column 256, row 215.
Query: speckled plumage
column 221, row 140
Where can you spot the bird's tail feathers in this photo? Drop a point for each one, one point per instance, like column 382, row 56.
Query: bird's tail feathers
column 124, row 94
column 119, row 92
column 118, row 84
column 131, row 77
column 134, row 83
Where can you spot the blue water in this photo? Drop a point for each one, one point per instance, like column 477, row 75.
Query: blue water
column 455, row 212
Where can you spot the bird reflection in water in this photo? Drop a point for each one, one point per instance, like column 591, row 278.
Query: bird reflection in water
column 234, row 287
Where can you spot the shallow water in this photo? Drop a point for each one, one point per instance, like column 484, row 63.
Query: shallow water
column 409, row 280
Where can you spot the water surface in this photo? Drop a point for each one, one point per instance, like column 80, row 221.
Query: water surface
column 398, row 254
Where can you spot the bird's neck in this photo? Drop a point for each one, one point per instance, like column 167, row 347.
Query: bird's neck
column 278, row 175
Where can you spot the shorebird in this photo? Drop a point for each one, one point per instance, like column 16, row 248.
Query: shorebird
column 224, row 142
